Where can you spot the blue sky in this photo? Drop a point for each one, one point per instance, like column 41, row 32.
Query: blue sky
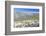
column 26, row 10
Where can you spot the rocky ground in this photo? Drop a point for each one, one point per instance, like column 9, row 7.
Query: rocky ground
column 33, row 24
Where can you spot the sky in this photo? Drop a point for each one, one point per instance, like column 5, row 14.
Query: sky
column 26, row 10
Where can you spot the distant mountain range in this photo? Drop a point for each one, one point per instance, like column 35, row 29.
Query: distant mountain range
column 24, row 15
